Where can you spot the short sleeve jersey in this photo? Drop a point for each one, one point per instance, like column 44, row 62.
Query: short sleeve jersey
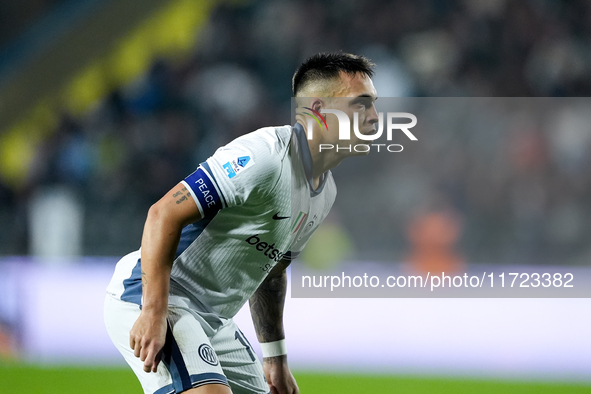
column 258, row 206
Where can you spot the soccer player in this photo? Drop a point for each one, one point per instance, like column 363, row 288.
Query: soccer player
column 224, row 235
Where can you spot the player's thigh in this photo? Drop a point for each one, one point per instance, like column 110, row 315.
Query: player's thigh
column 119, row 319
column 188, row 359
column 239, row 361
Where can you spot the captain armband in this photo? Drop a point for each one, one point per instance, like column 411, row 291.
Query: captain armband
column 204, row 190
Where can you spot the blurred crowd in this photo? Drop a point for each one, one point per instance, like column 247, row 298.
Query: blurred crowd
column 145, row 137
column 509, row 177
column 15, row 16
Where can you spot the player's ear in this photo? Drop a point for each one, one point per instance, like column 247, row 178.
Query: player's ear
column 317, row 104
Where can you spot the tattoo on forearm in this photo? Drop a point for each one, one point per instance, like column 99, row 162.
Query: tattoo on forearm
column 266, row 308
column 144, row 279
column 275, row 360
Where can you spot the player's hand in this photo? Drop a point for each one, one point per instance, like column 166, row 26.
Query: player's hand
column 147, row 337
column 279, row 377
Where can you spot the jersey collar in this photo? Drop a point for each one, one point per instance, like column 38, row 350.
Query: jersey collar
column 306, row 159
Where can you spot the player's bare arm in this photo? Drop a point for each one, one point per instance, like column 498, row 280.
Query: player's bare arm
column 266, row 308
column 266, row 305
column 162, row 231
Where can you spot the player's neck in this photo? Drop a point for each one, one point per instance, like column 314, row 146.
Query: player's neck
column 315, row 182
column 322, row 162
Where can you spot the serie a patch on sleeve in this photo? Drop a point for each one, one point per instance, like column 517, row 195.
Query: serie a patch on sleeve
column 205, row 192
column 235, row 166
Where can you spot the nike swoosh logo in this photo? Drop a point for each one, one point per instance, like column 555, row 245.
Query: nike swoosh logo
column 277, row 217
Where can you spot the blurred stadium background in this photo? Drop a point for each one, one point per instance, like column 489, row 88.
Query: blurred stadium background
column 105, row 105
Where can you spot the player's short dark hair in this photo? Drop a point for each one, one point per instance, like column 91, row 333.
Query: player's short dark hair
column 327, row 66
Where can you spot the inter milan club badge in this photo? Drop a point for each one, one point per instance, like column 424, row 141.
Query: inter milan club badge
column 208, row 355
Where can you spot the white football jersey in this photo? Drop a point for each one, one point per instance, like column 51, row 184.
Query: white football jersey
column 258, row 207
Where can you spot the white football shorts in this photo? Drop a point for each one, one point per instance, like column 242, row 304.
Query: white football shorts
column 200, row 349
